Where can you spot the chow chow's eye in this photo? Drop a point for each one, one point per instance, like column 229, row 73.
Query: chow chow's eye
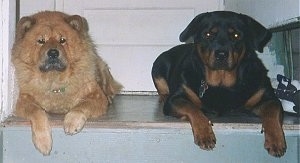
column 62, row 40
column 41, row 41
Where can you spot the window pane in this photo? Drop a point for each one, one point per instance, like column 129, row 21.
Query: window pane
column 277, row 45
column 285, row 44
column 295, row 53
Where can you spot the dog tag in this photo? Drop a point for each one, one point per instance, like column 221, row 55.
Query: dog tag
column 203, row 88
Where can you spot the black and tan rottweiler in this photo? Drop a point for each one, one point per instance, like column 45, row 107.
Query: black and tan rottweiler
column 219, row 72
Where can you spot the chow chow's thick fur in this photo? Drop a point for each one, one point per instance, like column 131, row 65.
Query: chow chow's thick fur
column 59, row 71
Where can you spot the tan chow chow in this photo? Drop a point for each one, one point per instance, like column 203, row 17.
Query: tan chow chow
column 58, row 71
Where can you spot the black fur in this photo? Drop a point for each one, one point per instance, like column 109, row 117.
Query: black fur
column 214, row 33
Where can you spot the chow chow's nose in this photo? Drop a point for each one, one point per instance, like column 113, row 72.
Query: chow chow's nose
column 53, row 53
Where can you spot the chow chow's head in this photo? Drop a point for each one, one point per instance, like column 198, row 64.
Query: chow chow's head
column 50, row 41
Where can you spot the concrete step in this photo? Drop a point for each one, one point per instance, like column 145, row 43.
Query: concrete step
column 135, row 130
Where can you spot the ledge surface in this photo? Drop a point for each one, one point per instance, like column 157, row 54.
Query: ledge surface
column 135, row 130
column 137, row 111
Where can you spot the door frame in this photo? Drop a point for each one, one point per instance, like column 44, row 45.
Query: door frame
column 7, row 30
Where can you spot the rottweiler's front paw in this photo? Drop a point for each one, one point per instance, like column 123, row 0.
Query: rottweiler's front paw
column 204, row 137
column 275, row 144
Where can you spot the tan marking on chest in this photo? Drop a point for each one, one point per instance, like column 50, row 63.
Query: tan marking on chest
column 220, row 77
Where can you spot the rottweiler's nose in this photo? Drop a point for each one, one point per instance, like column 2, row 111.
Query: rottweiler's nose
column 53, row 53
column 221, row 55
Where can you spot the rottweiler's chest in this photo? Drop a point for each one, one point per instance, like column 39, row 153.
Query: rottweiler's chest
column 220, row 99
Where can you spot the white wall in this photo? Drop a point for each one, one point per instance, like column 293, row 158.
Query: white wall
column 151, row 27
column 28, row 7
column 130, row 34
column 268, row 12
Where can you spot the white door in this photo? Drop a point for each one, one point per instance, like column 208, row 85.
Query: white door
column 130, row 34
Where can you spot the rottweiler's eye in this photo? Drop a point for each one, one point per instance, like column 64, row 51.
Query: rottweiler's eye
column 235, row 36
column 41, row 41
column 62, row 40
column 208, row 35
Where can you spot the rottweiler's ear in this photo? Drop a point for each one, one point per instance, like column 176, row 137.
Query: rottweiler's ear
column 258, row 33
column 192, row 28
column 24, row 25
column 78, row 23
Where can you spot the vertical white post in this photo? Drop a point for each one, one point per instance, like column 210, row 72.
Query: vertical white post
column 7, row 30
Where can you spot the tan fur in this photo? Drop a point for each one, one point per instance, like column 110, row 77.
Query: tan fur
column 220, row 77
column 162, row 88
column 201, row 126
column 82, row 91
column 271, row 116
column 192, row 96
column 225, row 78
column 253, row 100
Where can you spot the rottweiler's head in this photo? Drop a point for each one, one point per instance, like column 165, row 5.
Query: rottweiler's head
column 223, row 38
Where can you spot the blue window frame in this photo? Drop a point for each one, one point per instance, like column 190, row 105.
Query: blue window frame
column 285, row 43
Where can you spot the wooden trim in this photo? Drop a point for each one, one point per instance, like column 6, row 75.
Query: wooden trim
column 287, row 25
column 7, row 28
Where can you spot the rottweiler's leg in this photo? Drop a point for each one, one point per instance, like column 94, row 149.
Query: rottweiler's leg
column 271, row 114
column 160, row 72
column 162, row 88
column 201, row 126
column 188, row 106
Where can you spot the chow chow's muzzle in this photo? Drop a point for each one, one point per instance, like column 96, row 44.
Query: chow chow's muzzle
column 53, row 59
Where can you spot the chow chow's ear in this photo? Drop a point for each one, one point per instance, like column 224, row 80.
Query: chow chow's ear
column 24, row 25
column 259, row 35
column 78, row 23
